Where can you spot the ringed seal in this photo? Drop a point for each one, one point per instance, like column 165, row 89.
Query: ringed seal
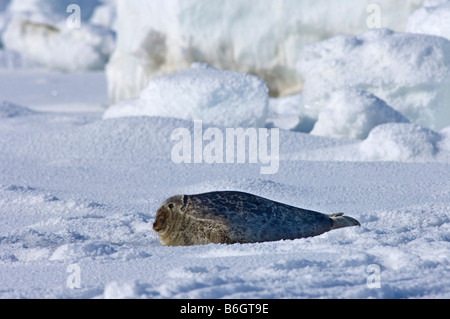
column 229, row 217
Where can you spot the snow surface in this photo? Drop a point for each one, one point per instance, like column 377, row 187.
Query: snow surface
column 76, row 189
column 79, row 190
column 8, row 110
column 44, row 90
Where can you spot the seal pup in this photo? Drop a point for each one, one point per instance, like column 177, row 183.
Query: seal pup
column 228, row 217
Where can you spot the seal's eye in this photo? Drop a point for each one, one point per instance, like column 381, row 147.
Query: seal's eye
column 170, row 206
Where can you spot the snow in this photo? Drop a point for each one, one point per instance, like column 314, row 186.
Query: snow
column 229, row 35
column 45, row 90
column 410, row 72
column 3, row 18
column 290, row 113
column 8, row 109
column 58, row 47
column 105, row 15
column 51, row 9
column 224, row 98
column 353, row 113
column 11, row 60
column 85, row 191
column 81, row 179
column 42, row 32
column 431, row 18
column 401, row 142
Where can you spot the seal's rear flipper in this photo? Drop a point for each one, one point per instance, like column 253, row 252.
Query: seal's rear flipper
column 339, row 221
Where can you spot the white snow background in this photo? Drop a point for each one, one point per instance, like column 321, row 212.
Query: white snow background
column 81, row 180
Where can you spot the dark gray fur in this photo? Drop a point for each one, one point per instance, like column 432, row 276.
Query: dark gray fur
column 236, row 217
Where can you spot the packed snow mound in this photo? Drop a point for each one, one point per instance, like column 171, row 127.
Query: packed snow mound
column 410, row 72
column 58, row 47
column 9, row 110
column 353, row 113
column 431, row 18
column 224, row 98
column 401, row 142
column 390, row 142
column 263, row 38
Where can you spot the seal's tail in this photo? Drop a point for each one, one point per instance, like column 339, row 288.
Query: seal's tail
column 339, row 221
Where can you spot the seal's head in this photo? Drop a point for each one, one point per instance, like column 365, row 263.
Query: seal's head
column 167, row 215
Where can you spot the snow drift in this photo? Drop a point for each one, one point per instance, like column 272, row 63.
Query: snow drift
column 9, row 110
column 352, row 113
column 55, row 46
column 410, row 72
column 39, row 31
column 432, row 18
column 289, row 113
column 265, row 38
column 224, row 98
column 400, row 142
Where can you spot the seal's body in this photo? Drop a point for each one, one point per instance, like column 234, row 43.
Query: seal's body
column 235, row 217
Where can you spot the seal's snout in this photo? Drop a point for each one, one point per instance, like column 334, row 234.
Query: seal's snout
column 155, row 226
column 160, row 220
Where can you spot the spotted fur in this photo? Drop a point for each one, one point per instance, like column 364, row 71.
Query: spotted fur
column 229, row 217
